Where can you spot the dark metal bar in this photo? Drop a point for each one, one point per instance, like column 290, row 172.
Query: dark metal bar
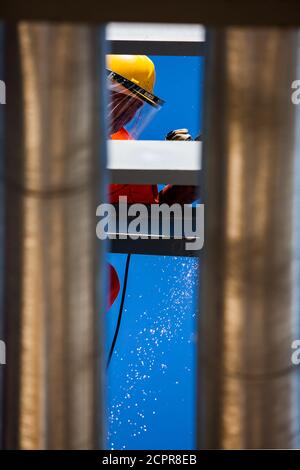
column 158, row 247
column 164, row 48
column 2, row 233
column 179, row 177
column 215, row 12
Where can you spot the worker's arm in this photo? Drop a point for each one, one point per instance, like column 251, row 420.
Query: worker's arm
column 178, row 194
column 179, row 134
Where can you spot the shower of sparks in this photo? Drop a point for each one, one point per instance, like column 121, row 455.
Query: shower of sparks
column 137, row 400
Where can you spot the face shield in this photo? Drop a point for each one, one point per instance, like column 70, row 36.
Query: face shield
column 130, row 106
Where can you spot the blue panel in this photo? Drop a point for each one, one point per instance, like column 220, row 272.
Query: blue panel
column 179, row 81
column 151, row 375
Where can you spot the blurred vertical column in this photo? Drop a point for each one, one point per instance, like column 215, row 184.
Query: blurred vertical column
column 52, row 181
column 249, row 390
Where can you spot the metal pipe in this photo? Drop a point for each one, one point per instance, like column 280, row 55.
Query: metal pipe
column 52, row 390
column 248, row 388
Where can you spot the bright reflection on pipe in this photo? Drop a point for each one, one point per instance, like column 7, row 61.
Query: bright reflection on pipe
column 52, row 177
column 248, row 387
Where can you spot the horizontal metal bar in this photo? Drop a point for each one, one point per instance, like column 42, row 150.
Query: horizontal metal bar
column 181, row 178
column 163, row 48
column 214, row 12
column 156, row 39
column 154, row 32
column 162, row 242
column 154, row 162
column 159, row 247
column 157, row 32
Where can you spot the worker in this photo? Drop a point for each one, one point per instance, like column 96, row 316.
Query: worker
column 131, row 106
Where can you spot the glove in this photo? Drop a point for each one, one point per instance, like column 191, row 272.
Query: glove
column 179, row 134
column 172, row 194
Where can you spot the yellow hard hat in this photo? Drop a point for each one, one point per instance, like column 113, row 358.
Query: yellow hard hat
column 139, row 69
